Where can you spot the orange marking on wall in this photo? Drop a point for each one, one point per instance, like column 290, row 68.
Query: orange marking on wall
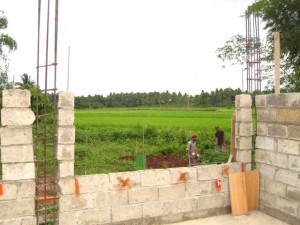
column 182, row 177
column 242, row 167
column 225, row 171
column 124, row 183
column 1, row 190
column 77, row 187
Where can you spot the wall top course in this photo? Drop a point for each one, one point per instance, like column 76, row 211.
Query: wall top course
column 16, row 98
column 260, row 100
column 243, row 101
column 290, row 100
column 66, row 100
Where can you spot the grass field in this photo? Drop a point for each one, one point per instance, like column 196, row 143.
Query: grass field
column 103, row 135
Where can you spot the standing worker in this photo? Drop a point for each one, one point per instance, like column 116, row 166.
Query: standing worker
column 220, row 138
column 192, row 150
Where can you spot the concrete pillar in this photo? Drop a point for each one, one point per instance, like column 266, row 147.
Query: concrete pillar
column 66, row 135
column 17, row 204
column 244, row 129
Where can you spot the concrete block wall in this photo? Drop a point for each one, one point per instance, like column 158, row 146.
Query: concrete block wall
column 17, row 204
column 278, row 155
column 146, row 197
column 244, row 130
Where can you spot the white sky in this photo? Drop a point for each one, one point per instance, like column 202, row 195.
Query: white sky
column 132, row 45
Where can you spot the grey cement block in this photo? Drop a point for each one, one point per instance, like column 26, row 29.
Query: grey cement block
column 16, row 98
column 267, row 198
column 155, row 177
column 244, row 156
column 127, row 212
column 244, row 143
column 277, row 100
column 211, row 201
column 244, row 129
column 184, row 205
column 288, row 116
column 17, row 117
column 9, row 191
column 69, row 217
column 18, row 171
column 260, row 100
column 209, row 172
column 265, row 143
column 66, row 135
column 82, row 202
column 275, row 188
column 277, row 130
column 15, row 209
column 294, row 163
column 288, row 206
column 66, row 117
column 244, row 115
column 95, row 217
column 66, row 100
column 266, row 115
column 288, row 177
column 156, row 209
column 243, row 101
column 26, row 189
column 93, row 183
column 66, row 168
column 294, row 132
column 65, row 152
column 16, row 136
column 16, row 153
column 173, row 192
column 276, row 159
column 293, row 193
column 198, row 189
column 262, row 129
column 287, row 146
column 141, row 195
column 66, row 186
column 119, row 197
column 266, row 171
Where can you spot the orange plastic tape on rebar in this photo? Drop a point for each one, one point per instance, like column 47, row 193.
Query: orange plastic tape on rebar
column 47, row 198
column 77, row 187
column 1, row 190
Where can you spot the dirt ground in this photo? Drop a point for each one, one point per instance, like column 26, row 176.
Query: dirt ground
column 165, row 161
column 162, row 162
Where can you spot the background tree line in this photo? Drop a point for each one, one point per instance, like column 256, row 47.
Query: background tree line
column 218, row 98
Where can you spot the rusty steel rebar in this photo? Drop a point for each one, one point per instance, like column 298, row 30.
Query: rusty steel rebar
column 253, row 45
column 46, row 140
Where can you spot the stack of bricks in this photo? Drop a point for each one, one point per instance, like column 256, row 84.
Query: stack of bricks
column 244, row 130
column 278, row 155
column 17, row 204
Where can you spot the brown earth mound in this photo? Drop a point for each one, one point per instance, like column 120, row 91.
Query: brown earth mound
column 163, row 161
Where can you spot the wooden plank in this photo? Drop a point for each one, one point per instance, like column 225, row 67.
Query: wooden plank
column 238, row 195
column 232, row 139
column 277, row 61
column 252, row 189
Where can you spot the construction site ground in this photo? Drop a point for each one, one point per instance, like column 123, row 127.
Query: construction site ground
column 253, row 218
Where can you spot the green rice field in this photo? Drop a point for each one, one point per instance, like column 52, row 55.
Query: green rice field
column 105, row 135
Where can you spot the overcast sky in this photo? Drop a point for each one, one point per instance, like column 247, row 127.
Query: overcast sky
column 132, row 45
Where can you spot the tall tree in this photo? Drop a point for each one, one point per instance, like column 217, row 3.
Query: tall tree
column 7, row 44
column 278, row 16
column 284, row 16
